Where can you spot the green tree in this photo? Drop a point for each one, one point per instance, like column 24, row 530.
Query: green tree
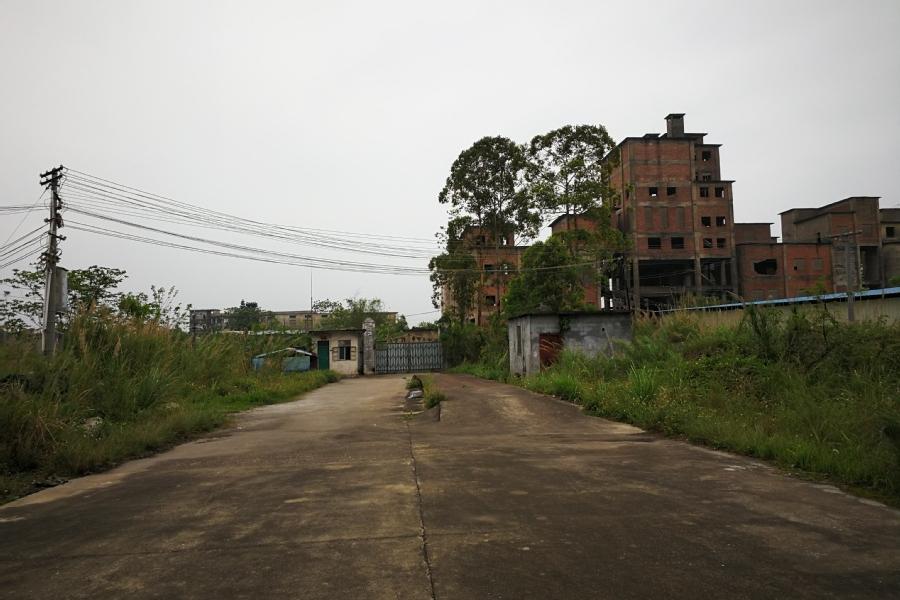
column 246, row 317
column 22, row 302
column 486, row 185
column 569, row 173
column 486, row 189
column 551, row 280
column 566, row 171
column 160, row 306
column 354, row 311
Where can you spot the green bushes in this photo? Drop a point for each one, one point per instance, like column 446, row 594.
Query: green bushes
column 803, row 390
column 120, row 388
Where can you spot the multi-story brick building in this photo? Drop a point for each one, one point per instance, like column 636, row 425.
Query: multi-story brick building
column 676, row 210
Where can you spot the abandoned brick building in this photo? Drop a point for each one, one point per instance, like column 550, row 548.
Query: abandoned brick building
column 677, row 212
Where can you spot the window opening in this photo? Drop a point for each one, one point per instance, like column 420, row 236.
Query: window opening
column 768, row 266
column 654, row 243
column 671, row 191
column 720, row 192
column 889, row 232
column 706, row 221
column 706, row 155
column 654, row 192
column 707, row 243
column 344, row 350
column 720, row 242
column 720, row 221
column 677, row 243
column 704, row 192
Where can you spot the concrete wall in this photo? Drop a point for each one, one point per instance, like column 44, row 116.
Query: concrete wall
column 589, row 334
column 865, row 310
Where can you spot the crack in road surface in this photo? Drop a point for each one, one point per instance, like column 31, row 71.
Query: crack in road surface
column 423, row 532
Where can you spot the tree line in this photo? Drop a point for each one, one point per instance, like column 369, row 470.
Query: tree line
column 506, row 189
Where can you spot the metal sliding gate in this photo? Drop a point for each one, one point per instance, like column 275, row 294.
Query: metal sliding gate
column 408, row 357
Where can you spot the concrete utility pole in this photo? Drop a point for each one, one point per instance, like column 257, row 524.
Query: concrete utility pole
column 850, row 265
column 52, row 283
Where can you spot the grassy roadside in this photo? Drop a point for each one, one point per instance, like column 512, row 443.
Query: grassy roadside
column 119, row 390
column 806, row 393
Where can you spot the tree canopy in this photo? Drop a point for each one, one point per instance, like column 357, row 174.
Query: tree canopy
column 551, row 280
column 565, row 170
column 486, row 185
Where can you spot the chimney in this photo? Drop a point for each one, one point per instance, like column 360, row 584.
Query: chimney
column 675, row 125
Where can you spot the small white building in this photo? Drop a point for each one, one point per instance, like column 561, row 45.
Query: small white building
column 339, row 350
column 536, row 339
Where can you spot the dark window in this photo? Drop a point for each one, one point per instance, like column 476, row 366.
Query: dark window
column 720, row 221
column 344, row 350
column 707, row 243
column 705, row 156
column 720, row 192
column 768, row 266
column 706, row 221
column 671, row 191
column 704, row 192
column 654, row 192
column 490, row 300
column 677, row 243
column 654, row 243
column 889, row 232
column 720, row 242
column 488, row 267
column 706, row 177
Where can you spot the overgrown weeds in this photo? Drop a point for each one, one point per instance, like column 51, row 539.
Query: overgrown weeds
column 121, row 388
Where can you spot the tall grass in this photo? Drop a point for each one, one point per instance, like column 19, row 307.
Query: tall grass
column 120, row 388
column 804, row 391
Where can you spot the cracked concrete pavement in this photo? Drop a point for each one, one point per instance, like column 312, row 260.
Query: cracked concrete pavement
column 509, row 495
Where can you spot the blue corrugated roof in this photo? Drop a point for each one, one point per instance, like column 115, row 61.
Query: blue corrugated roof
column 862, row 295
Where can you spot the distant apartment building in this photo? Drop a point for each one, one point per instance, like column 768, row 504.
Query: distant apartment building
column 677, row 212
column 207, row 320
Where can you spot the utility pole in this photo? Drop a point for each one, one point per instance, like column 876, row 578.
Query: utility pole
column 850, row 265
column 51, row 257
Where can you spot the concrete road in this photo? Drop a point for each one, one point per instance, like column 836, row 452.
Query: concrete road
column 508, row 495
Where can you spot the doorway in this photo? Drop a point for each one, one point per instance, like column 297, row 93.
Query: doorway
column 323, row 354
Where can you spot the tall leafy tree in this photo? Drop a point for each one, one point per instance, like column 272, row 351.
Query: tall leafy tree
column 566, row 171
column 485, row 189
column 486, row 185
column 569, row 174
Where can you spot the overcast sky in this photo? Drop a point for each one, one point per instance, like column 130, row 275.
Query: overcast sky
column 348, row 115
